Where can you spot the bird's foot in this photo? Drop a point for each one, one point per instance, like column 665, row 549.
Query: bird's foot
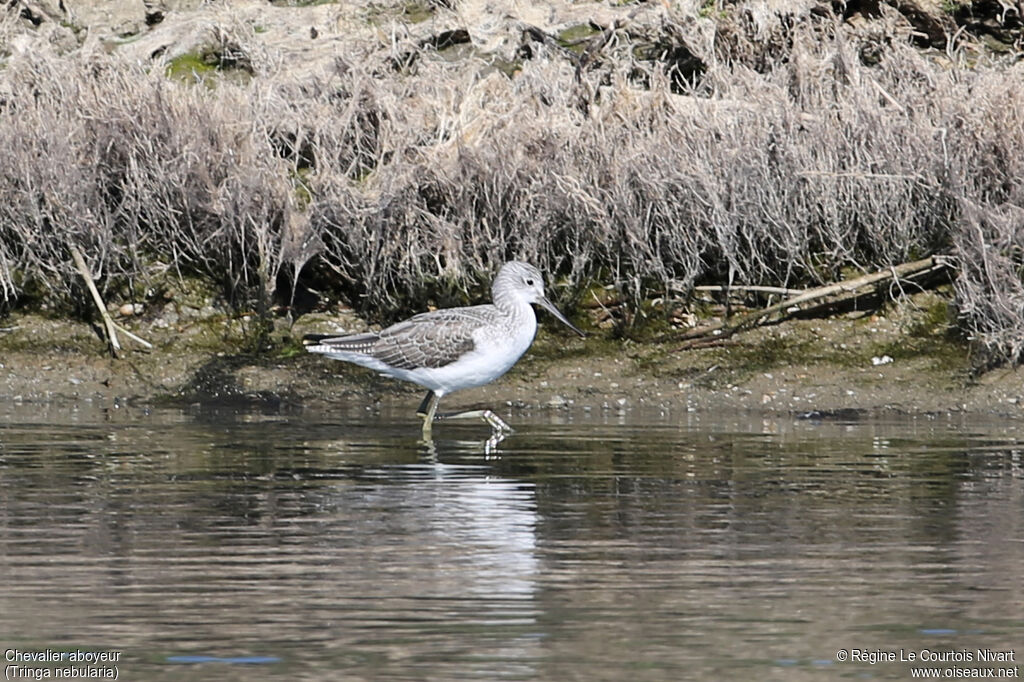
column 497, row 423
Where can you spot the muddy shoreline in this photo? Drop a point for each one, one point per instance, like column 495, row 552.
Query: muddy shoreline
column 894, row 361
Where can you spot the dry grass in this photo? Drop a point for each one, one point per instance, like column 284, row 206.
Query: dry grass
column 399, row 185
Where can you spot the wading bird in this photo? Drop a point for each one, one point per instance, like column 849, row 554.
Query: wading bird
column 447, row 350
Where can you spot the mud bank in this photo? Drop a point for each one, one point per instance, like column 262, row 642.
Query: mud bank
column 904, row 359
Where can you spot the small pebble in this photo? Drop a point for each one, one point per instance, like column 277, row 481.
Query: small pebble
column 129, row 309
column 557, row 401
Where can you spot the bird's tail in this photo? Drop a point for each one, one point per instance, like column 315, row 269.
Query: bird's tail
column 333, row 343
column 315, row 339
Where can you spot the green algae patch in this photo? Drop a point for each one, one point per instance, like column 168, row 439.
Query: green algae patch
column 189, row 67
column 412, row 12
column 576, row 37
column 210, row 66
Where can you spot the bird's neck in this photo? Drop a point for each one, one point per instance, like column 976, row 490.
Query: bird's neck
column 513, row 305
column 504, row 298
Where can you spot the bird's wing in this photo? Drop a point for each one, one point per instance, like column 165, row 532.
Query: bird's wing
column 433, row 339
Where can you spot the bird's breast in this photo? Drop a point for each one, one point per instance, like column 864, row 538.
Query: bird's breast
column 506, row 345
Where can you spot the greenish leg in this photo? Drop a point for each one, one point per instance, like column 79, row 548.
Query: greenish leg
column 496, row 422
column 427, row 410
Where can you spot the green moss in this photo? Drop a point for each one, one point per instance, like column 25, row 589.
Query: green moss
column 190, row 67
column 763, row 355
column 413, row 12
column 575, row 37
column 709, row 10
column 291, row 350
column 934, row 317
column 300, row 185
column 48, row 334
column 554, row 346
column 207, row 67
column 954, row 6
column 940, row 353
column 509, row 68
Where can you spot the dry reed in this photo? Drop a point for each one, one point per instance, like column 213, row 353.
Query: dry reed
column 404, row 184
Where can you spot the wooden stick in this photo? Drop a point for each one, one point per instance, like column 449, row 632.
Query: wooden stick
column 726, row 328
column 859, row 176
column 717, row 288
column 108, row 323
column 889, row 98
column 133, row 337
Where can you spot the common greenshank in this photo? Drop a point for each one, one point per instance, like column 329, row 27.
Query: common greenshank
column 447, row 350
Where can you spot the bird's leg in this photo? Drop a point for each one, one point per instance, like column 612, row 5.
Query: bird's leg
column 491, row 444
column 427, row 410
column 424, row 409
column 496, row 422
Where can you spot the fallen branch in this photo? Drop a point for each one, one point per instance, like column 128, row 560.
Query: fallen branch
column 790, row 306
column 741, row 288
column 109, row 325
column 133, row 337
column 541, row 36
column 716, row 342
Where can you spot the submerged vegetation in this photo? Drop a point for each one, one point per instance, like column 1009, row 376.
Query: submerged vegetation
column 661, row 149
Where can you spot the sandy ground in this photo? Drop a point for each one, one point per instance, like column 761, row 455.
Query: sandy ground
column 843, row 366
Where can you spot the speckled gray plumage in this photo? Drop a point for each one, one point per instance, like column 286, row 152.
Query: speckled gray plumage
column 433, row 339
column 449, row 350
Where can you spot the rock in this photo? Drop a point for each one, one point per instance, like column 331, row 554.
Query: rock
column 129, row 309
column 557, row 401
column 933, row 26
column 39, row 11
column 109, row 19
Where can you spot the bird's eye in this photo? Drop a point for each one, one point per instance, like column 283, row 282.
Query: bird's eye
column 529, row 282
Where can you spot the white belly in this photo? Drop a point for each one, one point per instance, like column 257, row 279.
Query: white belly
column 496, row 347
column 490, row 358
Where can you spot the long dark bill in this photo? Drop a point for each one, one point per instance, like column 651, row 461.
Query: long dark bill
column 550, row 307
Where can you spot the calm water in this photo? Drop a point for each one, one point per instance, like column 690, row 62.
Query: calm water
column 208, row 544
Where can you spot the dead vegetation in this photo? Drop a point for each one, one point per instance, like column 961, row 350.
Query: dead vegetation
column 846, row 294
column 754, row 147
